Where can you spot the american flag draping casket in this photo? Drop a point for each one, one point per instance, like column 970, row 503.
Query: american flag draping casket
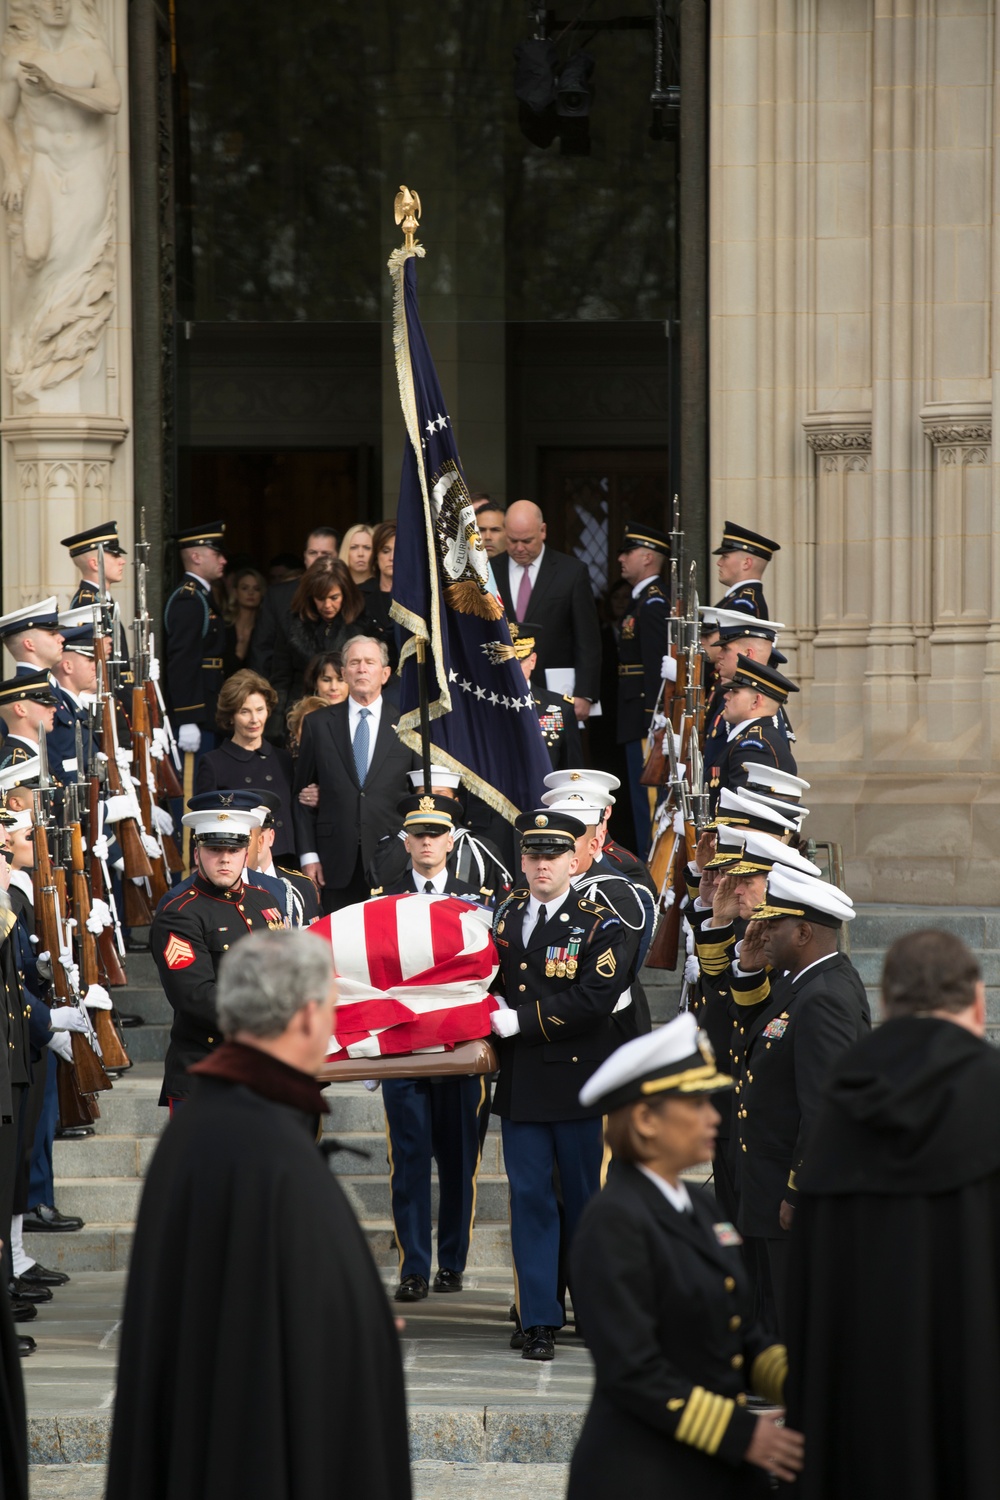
column 413, row 974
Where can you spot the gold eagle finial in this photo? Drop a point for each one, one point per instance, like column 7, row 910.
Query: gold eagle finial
column 407, row 214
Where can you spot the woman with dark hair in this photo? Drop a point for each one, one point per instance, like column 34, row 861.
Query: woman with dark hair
column 378, row 590
column 242, row 611
column 247, row 760
column 327, row 608
column 661, row 1290
column 324, row 677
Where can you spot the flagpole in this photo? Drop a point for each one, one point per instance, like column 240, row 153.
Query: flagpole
column 425, row 711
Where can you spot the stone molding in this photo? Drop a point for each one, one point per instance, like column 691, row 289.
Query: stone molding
column 841, row 441
column 948, row 427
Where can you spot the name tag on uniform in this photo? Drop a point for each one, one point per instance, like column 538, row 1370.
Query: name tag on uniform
column 727, row 1234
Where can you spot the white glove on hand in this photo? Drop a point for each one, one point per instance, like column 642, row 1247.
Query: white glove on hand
column 151, row 845
column 100, row 917
column 668, row 668
column 69, row 1018
column 505, row 1022
column 154, row 669
column 99, row 848
column 43, row 965
column 162, row 820
column 692, row 969
column 60, row 1044
column 189, row 738
column 116, row 808
column 123, row 757
column 160, row 745
column 97, row 998
column 372, row 1084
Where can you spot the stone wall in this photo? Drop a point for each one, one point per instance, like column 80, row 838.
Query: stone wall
column 854, row 270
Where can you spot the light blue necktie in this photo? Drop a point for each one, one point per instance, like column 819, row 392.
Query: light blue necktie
column 361, row 744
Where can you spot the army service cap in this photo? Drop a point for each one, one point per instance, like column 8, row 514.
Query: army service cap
column 762, row 679
column 426, row 813
column 547, row 832
column 207, row 534
column 736, row 538
column 28, row 685
column 674, row 1059
column 105, row 535
column 645, row 536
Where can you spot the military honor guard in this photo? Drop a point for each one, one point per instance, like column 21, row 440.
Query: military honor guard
column 743, row 556
column 195, row 925
column 83, row 548
column 474, row 863
column 75, row 676
column 755, row 697
column 300, row 902
column 432, row 1118
column 27, row 703
column 642, row 659
column 561, row 961
column 660, row 1284
column 195, row 638
column 556, row 714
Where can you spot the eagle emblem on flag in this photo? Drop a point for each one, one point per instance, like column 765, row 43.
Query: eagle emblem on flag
column 178, row 954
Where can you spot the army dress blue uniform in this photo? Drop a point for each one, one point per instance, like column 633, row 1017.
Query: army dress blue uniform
column 195, row 637
column 563, row 979
column 560, row 731
column 748, row 596
column 748, row 593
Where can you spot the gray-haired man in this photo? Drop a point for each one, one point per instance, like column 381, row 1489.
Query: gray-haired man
column 244, row 1368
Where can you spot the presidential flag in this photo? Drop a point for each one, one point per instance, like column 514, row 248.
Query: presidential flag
column 413, row 974
column 483, row 719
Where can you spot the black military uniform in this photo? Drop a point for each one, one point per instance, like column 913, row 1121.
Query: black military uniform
column 556, row 716
column 748, row 595
column 37, row 687
column 191, row 931
column 474, row 864
column 643, row 641
column 660, row 1286
column 87, row 593
column 562, row 980
column 194, row 640
column 762, row 740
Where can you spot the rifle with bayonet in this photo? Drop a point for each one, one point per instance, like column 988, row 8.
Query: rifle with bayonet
column 654, row 767
column 128, row 827
column 110, row 942
column 162, row 745
column 91, row 975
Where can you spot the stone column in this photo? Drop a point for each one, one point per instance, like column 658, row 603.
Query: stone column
column 65, row 295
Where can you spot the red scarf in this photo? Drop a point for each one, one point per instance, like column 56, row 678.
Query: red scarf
column 264, row 1075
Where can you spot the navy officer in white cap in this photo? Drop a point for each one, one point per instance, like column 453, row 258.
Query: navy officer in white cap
column 562, row 962
column 195, row 925
column 660, row 1286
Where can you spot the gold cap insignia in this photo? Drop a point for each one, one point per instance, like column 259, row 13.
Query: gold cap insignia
column 223, row 817
column 427, row 804
column 541, row 821
column 574, row 776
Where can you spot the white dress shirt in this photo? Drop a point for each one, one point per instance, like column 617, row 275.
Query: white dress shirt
column 532, row 910
column 515, row 573
column 643, row 583
column 678, row 1197
column 438, row 881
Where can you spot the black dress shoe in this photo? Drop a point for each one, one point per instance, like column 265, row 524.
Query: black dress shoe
column 448, row 1281
column 512, row 1314
column 46, row 1220
column 74, row 1132
column 25, row 1345
column 411, row 1289
column 539, row 1343
column 26, row 1291
column 129, row 1020
column 42, row 1276
column 517, row 1339
column 22, row 1312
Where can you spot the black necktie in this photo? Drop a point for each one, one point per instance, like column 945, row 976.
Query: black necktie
column 428, row 887
column 540, row 922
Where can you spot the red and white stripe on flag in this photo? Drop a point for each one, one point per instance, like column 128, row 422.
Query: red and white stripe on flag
column 413, row 974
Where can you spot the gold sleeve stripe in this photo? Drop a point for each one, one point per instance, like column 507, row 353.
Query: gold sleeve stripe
column 767, row 1373
column 752, row 997
column 705, row 1420
column 538, row 1007
column 713, row 950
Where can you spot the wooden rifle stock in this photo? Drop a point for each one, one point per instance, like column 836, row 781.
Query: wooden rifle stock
column 656, row 770
column 664, row 949
column 114, row 974
column 74, row 1110
column 160, row 878
column 168, row 782
column 112, row 1051
column 127, row 832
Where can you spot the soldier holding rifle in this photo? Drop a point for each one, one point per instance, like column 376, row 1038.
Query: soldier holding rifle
column 644, row 659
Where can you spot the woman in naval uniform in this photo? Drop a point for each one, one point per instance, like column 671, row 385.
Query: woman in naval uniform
column 660, row 1290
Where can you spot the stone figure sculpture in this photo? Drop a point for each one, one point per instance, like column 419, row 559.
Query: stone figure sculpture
column 58, row 96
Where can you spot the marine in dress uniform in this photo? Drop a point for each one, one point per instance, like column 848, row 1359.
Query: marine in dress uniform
column 754, row 699
column 743, row 555
column 474, row 863
column 815, row 1011
column 561, row 960
column 643, row 642
column 83, row 547
column 660, row 1285
column 439, row 1119
column 195, row 638
column 195, row 926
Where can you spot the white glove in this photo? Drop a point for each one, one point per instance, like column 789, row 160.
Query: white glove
column 123, row 757
column 154, row 669
column 371, row 1084
column 692, row 969
column 60, row 1044
column 99, row 917
column 99, row 848
column 162, row 819
column 161, row 743
column 116, row 808
column 69, row 1018
column 668, row 668
column 151, row 845
column 505, row 1022
column 97, row 998
column 43, row 965
column 189, row 738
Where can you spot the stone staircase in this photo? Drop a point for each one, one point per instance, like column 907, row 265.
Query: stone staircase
column 101, row 1178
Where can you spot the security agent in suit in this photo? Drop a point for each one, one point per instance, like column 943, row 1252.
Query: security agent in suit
column 643, row 644
column 743, row 555
column 195, row 637
column 474, row 863
column 195, row 925
column 352, row 751
column 561, row 961
column 439, row 1119
column 754, row 699
column 555, row 591
column 660, row 1285
column 815, row 1012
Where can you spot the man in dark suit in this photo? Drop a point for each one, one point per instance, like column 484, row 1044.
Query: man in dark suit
column 351, row 749
column 553, row 590
column 815, row 1011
